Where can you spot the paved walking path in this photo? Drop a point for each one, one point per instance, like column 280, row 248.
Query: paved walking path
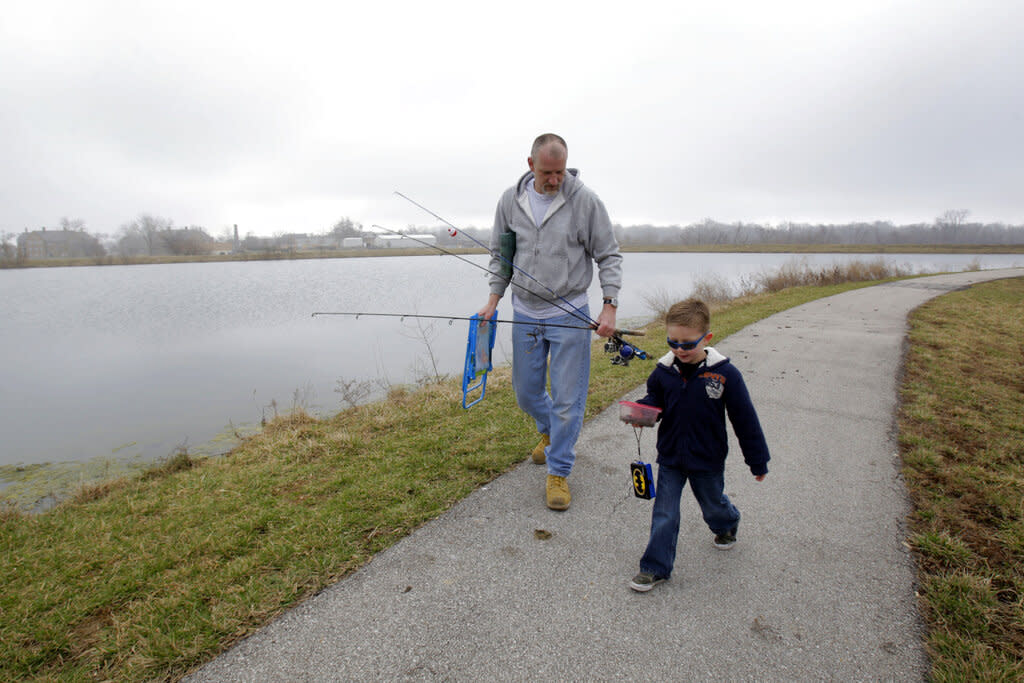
column 819, row 587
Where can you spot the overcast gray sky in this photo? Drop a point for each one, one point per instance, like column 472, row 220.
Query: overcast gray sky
column 286, row 116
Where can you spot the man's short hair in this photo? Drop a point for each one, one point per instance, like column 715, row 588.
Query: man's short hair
column 689, row 313
column 546, row 139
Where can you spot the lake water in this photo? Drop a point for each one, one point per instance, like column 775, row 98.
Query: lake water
column 119, row 364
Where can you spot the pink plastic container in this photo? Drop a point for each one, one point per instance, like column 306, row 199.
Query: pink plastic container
column 638, row 413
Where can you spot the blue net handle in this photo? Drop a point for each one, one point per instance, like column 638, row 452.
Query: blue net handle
column 479, row 346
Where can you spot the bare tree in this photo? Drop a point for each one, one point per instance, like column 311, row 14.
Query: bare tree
column 149, row 228
column 8, row 250
column 72, row 225
column 145, row 234
column 353, row 392
column 346, row 228
column 190, row 241
column 426, row 333
column 953, row 217
column 950, row 224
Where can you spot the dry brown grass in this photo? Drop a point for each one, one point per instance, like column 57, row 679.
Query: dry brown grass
column 798, row 273
column 717, row 293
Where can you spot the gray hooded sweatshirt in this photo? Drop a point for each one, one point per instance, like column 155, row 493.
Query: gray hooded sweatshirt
column 560, row 254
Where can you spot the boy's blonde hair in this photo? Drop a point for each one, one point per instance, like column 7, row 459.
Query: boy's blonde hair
column 689, row 313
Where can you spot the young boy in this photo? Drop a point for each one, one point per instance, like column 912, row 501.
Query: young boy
column 695, row 386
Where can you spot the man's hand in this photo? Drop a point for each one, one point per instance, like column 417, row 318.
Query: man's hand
column 492, row 305
column 606, row 321
column 760, row 477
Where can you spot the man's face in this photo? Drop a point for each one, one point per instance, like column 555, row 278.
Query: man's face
column 548, row 169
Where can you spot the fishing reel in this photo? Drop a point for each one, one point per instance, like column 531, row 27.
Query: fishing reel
column 622, row 351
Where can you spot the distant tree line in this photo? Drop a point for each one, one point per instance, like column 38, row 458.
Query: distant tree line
column 151, row 235
column 952, row 227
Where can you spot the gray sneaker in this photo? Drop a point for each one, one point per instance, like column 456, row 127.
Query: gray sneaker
column 725, row 541
column 645, row 581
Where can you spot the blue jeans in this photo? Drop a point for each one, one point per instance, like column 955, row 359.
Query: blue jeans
column 719, row 513
column 559, row 413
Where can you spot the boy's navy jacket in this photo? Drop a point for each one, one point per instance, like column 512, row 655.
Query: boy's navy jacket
column 692, row 433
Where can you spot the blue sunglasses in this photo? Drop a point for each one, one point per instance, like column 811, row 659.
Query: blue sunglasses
column 684, row 345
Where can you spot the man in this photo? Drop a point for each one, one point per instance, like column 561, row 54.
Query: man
column 560, row 228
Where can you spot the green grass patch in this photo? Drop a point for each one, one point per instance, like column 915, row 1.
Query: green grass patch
column 962, row 443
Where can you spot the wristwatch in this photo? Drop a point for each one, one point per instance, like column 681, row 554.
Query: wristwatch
column 611, row 300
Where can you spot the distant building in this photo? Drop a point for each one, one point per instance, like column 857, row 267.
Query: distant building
column 43, row 244
column 400, row 241
column 352, row 243
column 252, row 243
column 305, row 242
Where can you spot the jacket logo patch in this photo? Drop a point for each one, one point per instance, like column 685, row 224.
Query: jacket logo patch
column 714, row 384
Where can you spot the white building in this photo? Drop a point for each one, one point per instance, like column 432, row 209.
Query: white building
column 401, row 241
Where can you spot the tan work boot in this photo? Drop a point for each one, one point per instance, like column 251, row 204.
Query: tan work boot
column 538, row 451
column 558, row 493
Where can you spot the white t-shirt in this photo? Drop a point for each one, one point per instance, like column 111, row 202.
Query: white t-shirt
column 539, row 204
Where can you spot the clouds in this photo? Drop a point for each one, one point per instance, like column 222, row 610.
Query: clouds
column 283, row 118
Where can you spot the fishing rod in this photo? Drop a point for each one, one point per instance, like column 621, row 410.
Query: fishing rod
column 480, row 342
column 452, row 318
column 621, row 350
column 454, row 230
column 572, row 310
column 615, row 344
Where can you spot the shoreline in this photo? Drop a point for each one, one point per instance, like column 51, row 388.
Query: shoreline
column 796, row 249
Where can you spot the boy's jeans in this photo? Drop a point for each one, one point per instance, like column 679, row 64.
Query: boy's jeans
column 719, row 513
column 560, row 413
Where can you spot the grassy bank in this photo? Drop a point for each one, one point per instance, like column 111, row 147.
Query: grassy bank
column 962, row 443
